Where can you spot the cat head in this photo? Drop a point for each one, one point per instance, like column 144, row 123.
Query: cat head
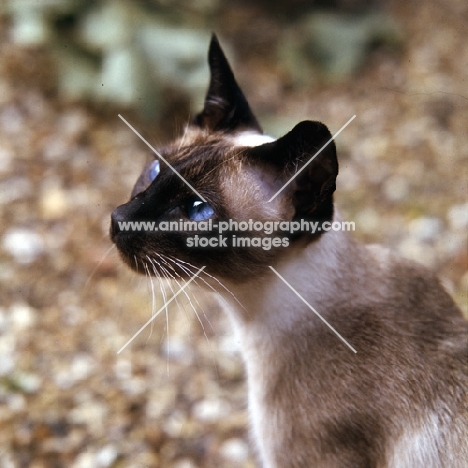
column 224, row 170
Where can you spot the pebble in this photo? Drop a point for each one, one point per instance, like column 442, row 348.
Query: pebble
column 396, row 188
column 21, row 316
column 7, row 353
column 28, row 382
column 6, row 158
column 6, row 460
column 93, row 414
column 234, row 450
column 56, row 148
column 13, row 189
column 174, row 423
column 425, row 229
column 3, row 320
column 452, row 244
column 134, row 386
column 123, row 369
column 210, row 411
column 106, row 456
column 54, row 202
column 177, row 350
column 16, row 402
column 367, row 220
column 159, row 403
column 458, row 216
column 84, row 460
column 415, row 250
column 82, row 366
column 23, row 244
column 349, row 178
column 73, row 123
column 184, row 463
column 11, row 120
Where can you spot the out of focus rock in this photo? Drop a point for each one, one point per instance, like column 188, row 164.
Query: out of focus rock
column 234, row 450
column 333, row 46
column 23, row 244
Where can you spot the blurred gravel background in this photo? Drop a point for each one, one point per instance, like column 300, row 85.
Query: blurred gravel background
column 176, row 397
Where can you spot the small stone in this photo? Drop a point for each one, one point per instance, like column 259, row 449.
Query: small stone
column 234, row 450
column 30, row 26
column 23, row 244
column 28, row 382
column 396, row 188
column 84, row 460
column 174, row 424
column 415, row 250
column 15, row 188
column 106, row 456
column 54, row 203
column 81, row 367
column 123, row 369
column 55, row 148
column 367, row 221
column 7, row 350
column 6, row 460
column 91, row 413
column 73, row 123
column 16, row 402
column 458, row 216
column 134, row 386
column 6, row 158
column 22, row 316
column 184, row 463
column 210, row 411
column 425, row 228
column 350, row 178
column 464, row 282
column 11, row 120
column 3, row 320
column 177, row 350
column 160, row 402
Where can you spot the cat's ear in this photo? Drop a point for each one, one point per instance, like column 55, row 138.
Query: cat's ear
column 295, row 155
column 226, row 107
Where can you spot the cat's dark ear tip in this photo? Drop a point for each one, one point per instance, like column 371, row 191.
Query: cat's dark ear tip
column 312, row 126
column 214, row 39
column 215, row 46
column 312, row 129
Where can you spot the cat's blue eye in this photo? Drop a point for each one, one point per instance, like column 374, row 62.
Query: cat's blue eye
column 198, row 210
column 153, row 170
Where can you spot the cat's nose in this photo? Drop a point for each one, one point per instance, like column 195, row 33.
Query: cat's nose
column 116, row 220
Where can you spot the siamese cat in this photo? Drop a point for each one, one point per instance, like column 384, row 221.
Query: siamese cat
column 400, row 400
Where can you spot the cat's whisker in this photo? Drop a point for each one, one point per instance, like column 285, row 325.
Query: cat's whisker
column 163, row 258
column 162, row 287
column 189, row 272
column 153, row 298
column 189, row 298
column 136, row 262
column 212, row 277
column 163, row 291
column 96, row 268
column 170, row 278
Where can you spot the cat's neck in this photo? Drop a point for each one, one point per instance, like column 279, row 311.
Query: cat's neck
column 334, row 269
